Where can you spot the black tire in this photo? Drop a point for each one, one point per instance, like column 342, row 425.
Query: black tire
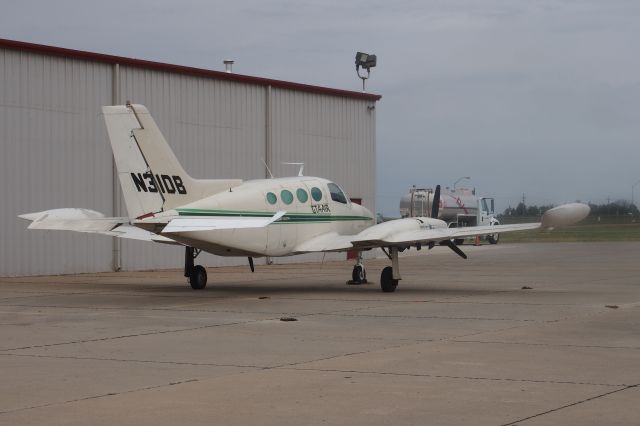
column 387, row 283
column 493, row 239
column 198, row 277
column 359, row 275
column 458, row 241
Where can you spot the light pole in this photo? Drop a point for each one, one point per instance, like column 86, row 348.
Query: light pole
column 456, row 182
column 633, row 188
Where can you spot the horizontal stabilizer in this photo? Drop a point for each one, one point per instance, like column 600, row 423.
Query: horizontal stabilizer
column 208, row 223
column 72, row 219
column 90, row 221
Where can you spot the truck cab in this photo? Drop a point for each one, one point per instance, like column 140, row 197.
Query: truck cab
column 459, row 207
column 484, row 216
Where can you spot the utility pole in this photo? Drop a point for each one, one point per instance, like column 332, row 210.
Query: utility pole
column 633, row 188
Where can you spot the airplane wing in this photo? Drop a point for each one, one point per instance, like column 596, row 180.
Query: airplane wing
column 425, row 236
column 413, row 231
column 90, row 221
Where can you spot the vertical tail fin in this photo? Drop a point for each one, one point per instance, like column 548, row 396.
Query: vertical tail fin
column 150, row 175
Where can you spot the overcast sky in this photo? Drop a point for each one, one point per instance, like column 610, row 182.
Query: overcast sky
column 535, row 97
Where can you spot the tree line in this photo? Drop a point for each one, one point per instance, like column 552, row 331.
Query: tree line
column 615, row 208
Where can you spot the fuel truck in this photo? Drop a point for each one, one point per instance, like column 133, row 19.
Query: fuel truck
column 458, row 207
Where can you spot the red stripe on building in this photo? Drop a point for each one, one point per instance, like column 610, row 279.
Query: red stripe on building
column 180, row 69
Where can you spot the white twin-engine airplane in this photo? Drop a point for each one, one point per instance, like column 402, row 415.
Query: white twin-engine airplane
column 265, row 217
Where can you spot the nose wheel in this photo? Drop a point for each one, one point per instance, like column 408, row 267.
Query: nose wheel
column 359, row 275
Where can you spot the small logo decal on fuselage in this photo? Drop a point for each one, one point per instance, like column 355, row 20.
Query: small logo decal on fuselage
column 146, row 182
column 320, row 208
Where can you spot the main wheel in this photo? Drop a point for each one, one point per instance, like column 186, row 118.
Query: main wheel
column 387, row 283
column 198, row 277
column 493, row 239
column 359, row 275
column 458, row 241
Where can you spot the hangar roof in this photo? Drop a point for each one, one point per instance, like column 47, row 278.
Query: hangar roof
column 181, row 69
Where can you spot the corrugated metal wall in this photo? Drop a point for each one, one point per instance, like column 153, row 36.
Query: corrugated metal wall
column 333, row 136
column 55, row 151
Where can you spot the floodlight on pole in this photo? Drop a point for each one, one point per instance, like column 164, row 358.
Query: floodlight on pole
column 456, row 182
column 366, row 62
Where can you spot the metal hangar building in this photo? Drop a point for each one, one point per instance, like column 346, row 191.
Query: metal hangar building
column 55, row 151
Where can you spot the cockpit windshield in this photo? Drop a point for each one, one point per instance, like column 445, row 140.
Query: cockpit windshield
column 336, row 193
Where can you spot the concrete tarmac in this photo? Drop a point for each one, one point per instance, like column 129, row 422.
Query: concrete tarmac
column 459, row 342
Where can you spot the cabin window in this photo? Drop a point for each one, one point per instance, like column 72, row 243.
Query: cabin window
column 271, row 198
column 286, row 196
column 302, row 195
column 316, row 194
column 336, row 193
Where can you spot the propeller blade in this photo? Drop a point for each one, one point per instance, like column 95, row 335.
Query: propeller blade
column 435, row 206
column 454, row 247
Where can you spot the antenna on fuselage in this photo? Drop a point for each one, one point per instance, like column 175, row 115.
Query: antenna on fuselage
column 267, row 167
column 296, row 164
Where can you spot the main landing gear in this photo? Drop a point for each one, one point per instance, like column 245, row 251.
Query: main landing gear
column 197, row 274
column 391, row 274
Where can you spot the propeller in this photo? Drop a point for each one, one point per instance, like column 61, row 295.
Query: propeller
column 453, row 247
column 435, row 206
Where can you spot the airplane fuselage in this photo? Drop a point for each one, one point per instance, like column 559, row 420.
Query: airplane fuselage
column 314, row 206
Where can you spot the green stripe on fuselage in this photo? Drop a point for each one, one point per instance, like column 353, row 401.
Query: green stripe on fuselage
column 287, row 218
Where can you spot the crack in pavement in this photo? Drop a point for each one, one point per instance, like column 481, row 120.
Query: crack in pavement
column 125, row 336
column 104, row 395
column 626, row 387
column 435, row 317
column 176, row 308
column 559, row 345
column 144, row 361
column 448, row 376
column 157, row 332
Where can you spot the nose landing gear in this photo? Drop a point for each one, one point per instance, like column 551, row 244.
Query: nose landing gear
column 358, row 275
